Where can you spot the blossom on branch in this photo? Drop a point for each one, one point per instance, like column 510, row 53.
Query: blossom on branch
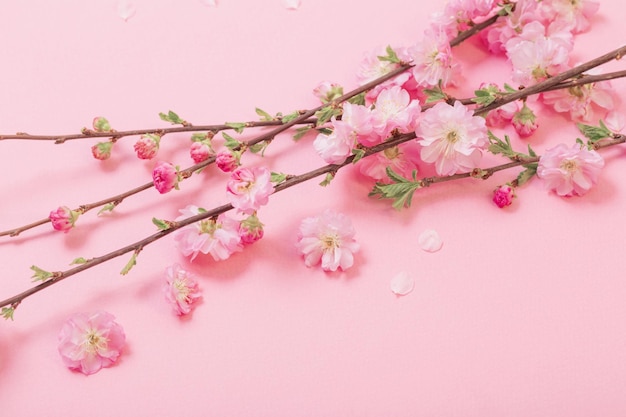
column 180, row 289
column 328, row 238
column 249, row 188
column 90, row 342
column 165, row 177
column 570, row 171
column 147, row 146
column 63, row 218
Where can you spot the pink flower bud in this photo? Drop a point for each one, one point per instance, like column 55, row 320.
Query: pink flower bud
column 503, row 196
column 63, row 218
column 250, row 230
column 327, row 91
column 226, row 161
column 165, row 177
column 100, row 124
column 200, row 152
column 102, row 150
column 147, row 146
column 525, row 122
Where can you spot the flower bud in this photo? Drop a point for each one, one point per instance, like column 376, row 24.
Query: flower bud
column 147, row 146
column 327, row 91
column 503, row 196
column 227, row 161
column 63, row 218
column 165, row 177
column 100, row 124
column 525, row 121
column 250, row 230
column 102, row 150
column 200, row 151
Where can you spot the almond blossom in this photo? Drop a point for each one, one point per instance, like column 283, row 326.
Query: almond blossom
column 433, row 61
column 371, row 68
column 218, row 237
column 249, row 188
column 575, row 13
column 329, row 239
column 63, row 218
column 180, row 289
column 226, row 161
column 394, row 111
column 200, row 151
column 90, row 342
column 581, row 102
column 570, row 170
column 165, row 177
column 397, row 158
column 503, row 196
column 451, row 138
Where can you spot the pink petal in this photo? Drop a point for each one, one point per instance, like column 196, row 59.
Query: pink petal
column 291, row 4
column 430, row 241
column 402, row 284
column 615, row 121
column 125, row 9
column 211, row 3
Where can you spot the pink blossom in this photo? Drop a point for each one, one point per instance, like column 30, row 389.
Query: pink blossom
column 250, row 230
column 433, row 60
column 451, row 138
column 226, row 161
column 180, row 289
column 371, row 68
column 147, row 146
column 335, row 147
column 570, row 171
column 394, row 110
column 90, row 342
column 524, row 121
column 503, row 115
column 218, row 237
column 581, row 102
column 397, row 158
column 574, row 13
column 327, row 91
column 63, row 218
column 460, row 15
column 200, row 151
column 102, row 150
column 165, row 177
column 503, row 196
column 497, row 35
column 328, row 238
column 249, row 188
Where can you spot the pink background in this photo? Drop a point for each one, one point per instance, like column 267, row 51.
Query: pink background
column 521, row 313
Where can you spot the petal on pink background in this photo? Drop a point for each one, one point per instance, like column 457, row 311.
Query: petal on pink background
column 402, row 284
column 126, row 9
column 291, row 4
column 211, row 3
column 430, row 241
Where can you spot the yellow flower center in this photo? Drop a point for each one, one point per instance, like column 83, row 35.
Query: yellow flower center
column 94, row 341
column 569, row 165
column 182, row 290
column 392, row 153
column 330, row 242
column 452, row 136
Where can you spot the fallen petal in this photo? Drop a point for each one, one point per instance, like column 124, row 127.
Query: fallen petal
column 402, row 284
column 430, row 241
column 210, row 3
column 125, row 9
column 291, row 4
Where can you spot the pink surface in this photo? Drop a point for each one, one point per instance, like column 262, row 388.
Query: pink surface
column 521, row 313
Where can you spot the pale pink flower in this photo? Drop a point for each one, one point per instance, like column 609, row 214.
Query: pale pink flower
column 397, row 158
column 615, row 121
column 165, row 177
column 147, row 146
column 90, row 342
column 249, row 188
column 371, row 68
column 102, row 150
column 250, row 230
column 460, row 15
column 433, row 60
column 328, row 238
column 327, row 91
column 574, row 13
column 218, row 237
column 226, row 161
column 503, row 115
column 335, row 147
column 524, row 121
column 497, row 35
column 181, row 290
column 394, row 110
column 200, row 151
column 63, row 218
column 570, row 171
column 451, row 138
column 503, row 196
column 582, row 102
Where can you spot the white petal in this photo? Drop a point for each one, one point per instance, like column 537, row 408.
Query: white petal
column 291, row 4
column 211, row 3
column 402, row 284
column 126, row 9
column 430, row 241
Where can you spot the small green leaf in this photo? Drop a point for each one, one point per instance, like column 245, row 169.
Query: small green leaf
column 265, row 116
column 7, row 312
column 230, row 142
column 259, row 147
column 594, row 133
column 40, row 274
column 401, row 190
column 132, row 262
column 435, row 94
column 326, row 113
column 79, row 261
column 390, row 57
column 527, row 174
column 106, row 207
column 161, row 224
column 358, row 154
column 199, row 137
column 329, row 177
column 291, row 116
column 509, row 89
column 173, row 118
column 237, row 127
column 301, row 131
column 358, row 99
column 278, row 177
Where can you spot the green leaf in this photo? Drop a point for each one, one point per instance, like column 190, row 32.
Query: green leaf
column 506, row 9
column 237, row 127
column 199, row 137
column 79, row 261
column 358, row 154
column 132, row 262
column 278, row 177
column 391, row 56
column 594, row 133
column 301, row 131
column 173, row 118
column 161, row 224
column 259, row 147
column 326, row 113
column 484, row 97
column 435, row 94
column 40, row 274
column 527, row 174
column 509, row 89
column 230, row 142
column 265, row 116
column 106, row 207
column 401, row 190
column 327, row 180
column 291, row 116
column 7, row 312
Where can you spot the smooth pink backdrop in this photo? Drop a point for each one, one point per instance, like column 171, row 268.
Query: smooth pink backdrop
column 521, row 313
